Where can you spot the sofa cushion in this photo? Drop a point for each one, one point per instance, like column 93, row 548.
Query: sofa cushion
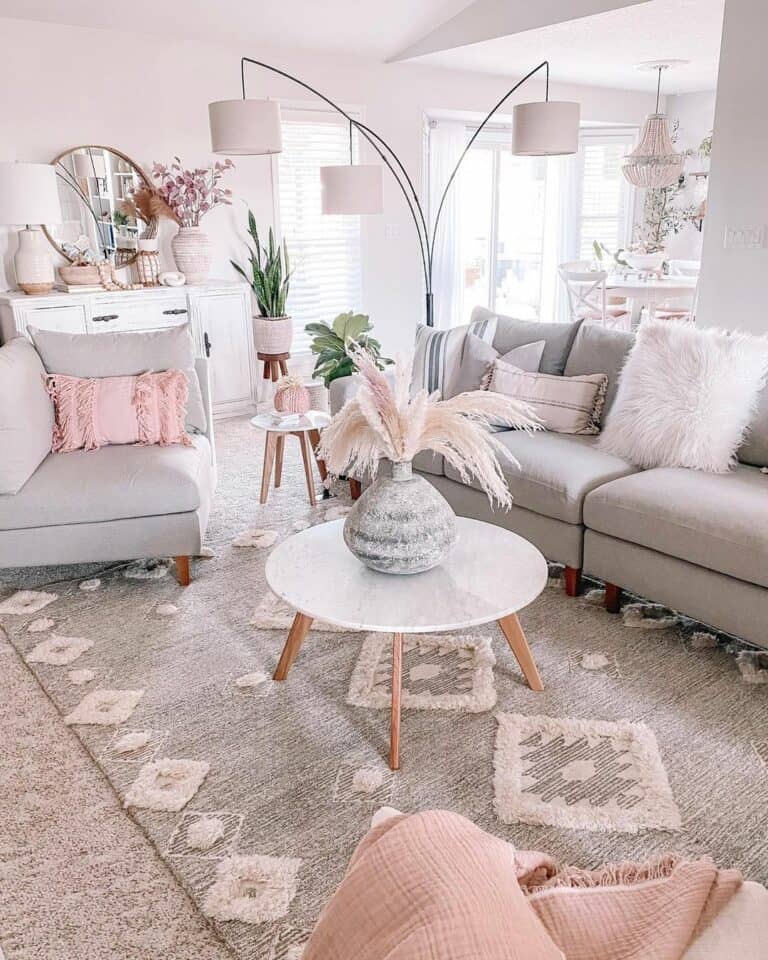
column 599, row 350
column 511, row 333
column 754, row 450
column 112, row 483
column 438, row 354
column 478, row 358
column 556, row 472
column 718, row 521
column 26, row 415
column 125, row 355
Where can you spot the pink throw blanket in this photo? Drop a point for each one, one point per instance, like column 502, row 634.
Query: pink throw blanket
column 433, row 886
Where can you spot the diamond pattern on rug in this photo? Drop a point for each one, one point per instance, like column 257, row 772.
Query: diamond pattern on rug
column 105, row 707
column 255, row 537
column 252, row 889
column 40, row 625
column 166, row 785
column 289, row 943
column 80, row 677
column 272, row 613
column 597, row 662
column 439, row 673
column 58, row 651
column 133, row 746
column 204, row 836
column 761, row 749
column 26, row 601
column 581, row 774
column 361, row 781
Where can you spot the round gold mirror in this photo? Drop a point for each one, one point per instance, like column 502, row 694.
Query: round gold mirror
column 96, row 185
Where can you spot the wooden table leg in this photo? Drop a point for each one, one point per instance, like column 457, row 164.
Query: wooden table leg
column 279, row 451
column 314, row 437
column 299, row 630
column 307, row 456
column 394, row 717
column 269, row 459
column 512, row 630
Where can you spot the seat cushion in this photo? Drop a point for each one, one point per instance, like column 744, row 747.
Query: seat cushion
column 556, row 472
column 718, row 521
column 754, row 449
column 26, row 414
column 112, row 483
column 598, row 350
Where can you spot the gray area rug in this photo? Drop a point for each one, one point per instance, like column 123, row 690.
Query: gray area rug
column 650, row 736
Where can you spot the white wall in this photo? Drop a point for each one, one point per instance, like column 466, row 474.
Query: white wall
column 63, row 88
column 733, row 282
column 696, row 113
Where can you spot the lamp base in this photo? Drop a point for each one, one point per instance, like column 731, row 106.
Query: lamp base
column 34, row 264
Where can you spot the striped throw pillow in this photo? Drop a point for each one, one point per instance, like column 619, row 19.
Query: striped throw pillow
column 439, row 352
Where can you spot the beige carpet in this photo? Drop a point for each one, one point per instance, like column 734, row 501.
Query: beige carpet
column 78, row 879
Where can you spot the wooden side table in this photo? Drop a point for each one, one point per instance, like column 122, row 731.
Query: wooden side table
column 306, row 427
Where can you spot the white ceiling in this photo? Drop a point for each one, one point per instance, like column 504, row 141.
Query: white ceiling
column 603, row 49
column 599, row 49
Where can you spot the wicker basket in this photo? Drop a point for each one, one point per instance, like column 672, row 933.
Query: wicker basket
column 86, row 274
column 273, row 335
column 318, row 395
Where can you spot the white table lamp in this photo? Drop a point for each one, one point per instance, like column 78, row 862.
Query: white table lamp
column 29, row 195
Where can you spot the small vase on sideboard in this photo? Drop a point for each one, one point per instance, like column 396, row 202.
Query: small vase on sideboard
column 192, row 252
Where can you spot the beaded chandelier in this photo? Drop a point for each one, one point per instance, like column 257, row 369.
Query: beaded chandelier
column 654, row 163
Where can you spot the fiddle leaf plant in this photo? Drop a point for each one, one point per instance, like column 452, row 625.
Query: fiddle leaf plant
column 270, row 271
column 331, row 344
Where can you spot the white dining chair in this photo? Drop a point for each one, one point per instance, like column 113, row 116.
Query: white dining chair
column 587, row 298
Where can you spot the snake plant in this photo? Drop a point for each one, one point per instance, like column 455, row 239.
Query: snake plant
column 334, row 345
column 270, row 271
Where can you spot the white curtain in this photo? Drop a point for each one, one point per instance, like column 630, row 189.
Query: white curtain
column 447, row 139
column 560, row 239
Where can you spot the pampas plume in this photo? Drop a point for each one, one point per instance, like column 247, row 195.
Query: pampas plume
column 385, row 421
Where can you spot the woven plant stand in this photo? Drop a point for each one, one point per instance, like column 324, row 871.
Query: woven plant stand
column 275, row 365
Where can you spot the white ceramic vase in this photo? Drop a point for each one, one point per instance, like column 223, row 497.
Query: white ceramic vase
column 192, row 253
column 33, row 262
column 273, row 335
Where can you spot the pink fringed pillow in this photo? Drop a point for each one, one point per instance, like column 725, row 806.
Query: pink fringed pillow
column 91, row 413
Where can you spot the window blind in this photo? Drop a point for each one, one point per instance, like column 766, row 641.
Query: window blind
column 604, row 214
column 324, row 250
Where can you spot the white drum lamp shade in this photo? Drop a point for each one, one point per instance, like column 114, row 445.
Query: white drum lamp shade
column 28, row 194
column 548, row 128
column 352, row 188
column 242, row 128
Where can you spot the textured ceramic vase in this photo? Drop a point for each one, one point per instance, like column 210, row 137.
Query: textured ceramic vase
column 192, row 253
column 401, row 524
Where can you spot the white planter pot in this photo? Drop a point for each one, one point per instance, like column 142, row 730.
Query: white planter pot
column 273, row 335
column 192, row 253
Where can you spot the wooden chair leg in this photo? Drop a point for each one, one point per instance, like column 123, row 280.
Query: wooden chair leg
column 279, row 451
column 299, row 630
column 355, row 489
column 612, row 598
column 518, row 644
column 182, row 570
column 307, row 456
column 572, row 577
column 394, row 716
column 269, row 459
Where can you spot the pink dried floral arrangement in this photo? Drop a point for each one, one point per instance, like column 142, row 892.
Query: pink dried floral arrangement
column 393, row 422
column 187, row 195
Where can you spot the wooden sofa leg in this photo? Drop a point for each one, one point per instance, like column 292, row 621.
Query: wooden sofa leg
column 182, row 570
column 612, row 598
column 572, row 577
column 355, row 488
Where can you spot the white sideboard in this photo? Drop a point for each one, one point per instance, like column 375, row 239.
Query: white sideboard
column 219, row 314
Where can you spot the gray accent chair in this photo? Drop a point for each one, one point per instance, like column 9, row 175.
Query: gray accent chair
column 693, row 541
column 115, row 503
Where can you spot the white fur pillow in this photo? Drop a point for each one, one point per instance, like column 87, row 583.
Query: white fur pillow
column 686, row 396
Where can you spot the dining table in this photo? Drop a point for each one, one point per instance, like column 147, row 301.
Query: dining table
column 650, row 292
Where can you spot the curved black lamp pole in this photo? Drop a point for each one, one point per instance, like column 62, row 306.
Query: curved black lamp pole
column 426, row 243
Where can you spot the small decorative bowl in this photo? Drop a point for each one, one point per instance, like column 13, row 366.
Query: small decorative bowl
column 80, row 275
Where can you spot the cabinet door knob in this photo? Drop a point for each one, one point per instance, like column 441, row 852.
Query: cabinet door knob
column 207, row 344
column 105, row 318
column 175, row 312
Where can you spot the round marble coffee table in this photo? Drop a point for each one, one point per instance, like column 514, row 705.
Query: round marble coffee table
column 490, row 575
column 305, row 426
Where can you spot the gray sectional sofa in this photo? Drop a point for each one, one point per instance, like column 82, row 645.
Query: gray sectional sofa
column 693, row 541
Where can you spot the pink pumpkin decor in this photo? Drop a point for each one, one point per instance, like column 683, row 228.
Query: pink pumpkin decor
column 291, row 396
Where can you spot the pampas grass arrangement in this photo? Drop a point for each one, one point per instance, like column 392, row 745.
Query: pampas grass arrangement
column 386, row 421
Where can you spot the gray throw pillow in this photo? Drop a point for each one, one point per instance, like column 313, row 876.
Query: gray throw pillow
column 511, row 332
column 26, row 414
column 125, row 355
column 479, row 356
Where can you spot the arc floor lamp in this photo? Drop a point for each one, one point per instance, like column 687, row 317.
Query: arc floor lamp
column 252, row 127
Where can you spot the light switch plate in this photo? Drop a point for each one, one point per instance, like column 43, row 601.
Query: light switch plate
column 744, row 238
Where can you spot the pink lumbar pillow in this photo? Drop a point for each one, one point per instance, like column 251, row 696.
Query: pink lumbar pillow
column 92, row 412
